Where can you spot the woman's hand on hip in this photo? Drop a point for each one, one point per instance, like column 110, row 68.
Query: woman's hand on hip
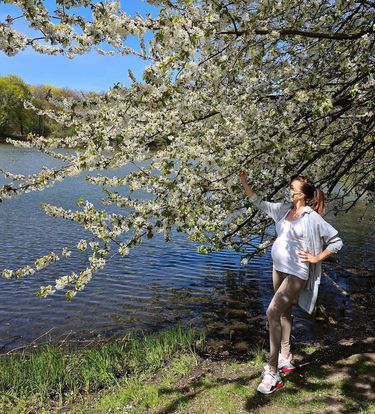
column 305, row 256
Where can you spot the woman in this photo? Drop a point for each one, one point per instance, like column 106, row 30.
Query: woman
column 297, row 254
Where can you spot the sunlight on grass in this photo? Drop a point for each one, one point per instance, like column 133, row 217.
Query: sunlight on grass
column 258, row 356
column 309, row 349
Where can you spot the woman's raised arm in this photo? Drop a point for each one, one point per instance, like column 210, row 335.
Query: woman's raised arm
column 274, row 210
column 243, row 176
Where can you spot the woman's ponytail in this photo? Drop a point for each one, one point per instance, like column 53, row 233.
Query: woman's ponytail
column 319, row 201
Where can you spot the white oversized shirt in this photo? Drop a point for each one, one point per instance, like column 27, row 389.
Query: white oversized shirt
column 286, row 247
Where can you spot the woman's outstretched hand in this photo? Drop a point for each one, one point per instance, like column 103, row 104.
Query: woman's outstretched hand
column 243, row 175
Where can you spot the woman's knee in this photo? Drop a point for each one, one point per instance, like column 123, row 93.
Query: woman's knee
column 287, row 313
column 273, row 312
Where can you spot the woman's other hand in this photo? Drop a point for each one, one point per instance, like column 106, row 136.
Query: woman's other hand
column 305, row 256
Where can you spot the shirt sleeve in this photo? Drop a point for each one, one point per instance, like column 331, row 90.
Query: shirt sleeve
column 271, row 209
column 330, row 237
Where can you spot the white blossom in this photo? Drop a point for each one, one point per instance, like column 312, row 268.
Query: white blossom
column 82, row 245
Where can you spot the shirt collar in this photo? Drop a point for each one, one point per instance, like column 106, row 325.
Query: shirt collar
column 307, row 210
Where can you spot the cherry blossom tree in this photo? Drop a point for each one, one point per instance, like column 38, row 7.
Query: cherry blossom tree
column 273, row 87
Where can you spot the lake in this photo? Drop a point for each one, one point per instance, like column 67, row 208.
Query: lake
column 158, row 285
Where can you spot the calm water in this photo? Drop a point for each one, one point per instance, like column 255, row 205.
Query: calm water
column 158, row 285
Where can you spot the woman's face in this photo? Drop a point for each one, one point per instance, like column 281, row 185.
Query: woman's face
column 295, row 191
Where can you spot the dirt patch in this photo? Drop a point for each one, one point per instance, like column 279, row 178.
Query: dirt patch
column 220, row 371
column 357, row 373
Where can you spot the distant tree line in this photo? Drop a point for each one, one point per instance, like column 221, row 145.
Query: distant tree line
column 17, row 122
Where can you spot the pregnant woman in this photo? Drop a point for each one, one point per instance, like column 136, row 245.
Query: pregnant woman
column 304, row 239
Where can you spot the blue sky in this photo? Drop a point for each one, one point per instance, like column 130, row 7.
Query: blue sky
column 91, row 71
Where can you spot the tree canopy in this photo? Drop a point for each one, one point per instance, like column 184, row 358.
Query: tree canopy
column 276, row 88
column 14, row 118
column 16, row 121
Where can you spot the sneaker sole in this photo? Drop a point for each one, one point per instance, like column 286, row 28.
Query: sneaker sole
column 278, row 386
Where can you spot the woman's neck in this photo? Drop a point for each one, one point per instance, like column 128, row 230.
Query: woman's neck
column 299, row 205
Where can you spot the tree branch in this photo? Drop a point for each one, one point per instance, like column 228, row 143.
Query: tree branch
column 290, row 31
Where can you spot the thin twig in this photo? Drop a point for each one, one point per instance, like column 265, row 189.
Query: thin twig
column 64, row 340
column 337, row 286
column 31, row 343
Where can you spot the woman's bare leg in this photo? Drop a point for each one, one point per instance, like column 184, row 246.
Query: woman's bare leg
column 281, row 303
column 286, row 331
column 286, row 317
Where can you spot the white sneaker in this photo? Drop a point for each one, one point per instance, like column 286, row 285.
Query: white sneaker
column 271, row 381
column 285, row 365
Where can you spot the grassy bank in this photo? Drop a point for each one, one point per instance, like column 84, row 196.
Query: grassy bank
column 52, row 376
column 166, row 374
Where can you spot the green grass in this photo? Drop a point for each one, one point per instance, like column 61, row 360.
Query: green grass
column 257, row 356
column 156, row 374
column 309, row 349
column 59, row 375
column 230, row 387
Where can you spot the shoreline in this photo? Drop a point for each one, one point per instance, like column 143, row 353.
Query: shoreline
column 176, row 371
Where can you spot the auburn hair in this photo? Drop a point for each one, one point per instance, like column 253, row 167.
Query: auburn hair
column 313, row 195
